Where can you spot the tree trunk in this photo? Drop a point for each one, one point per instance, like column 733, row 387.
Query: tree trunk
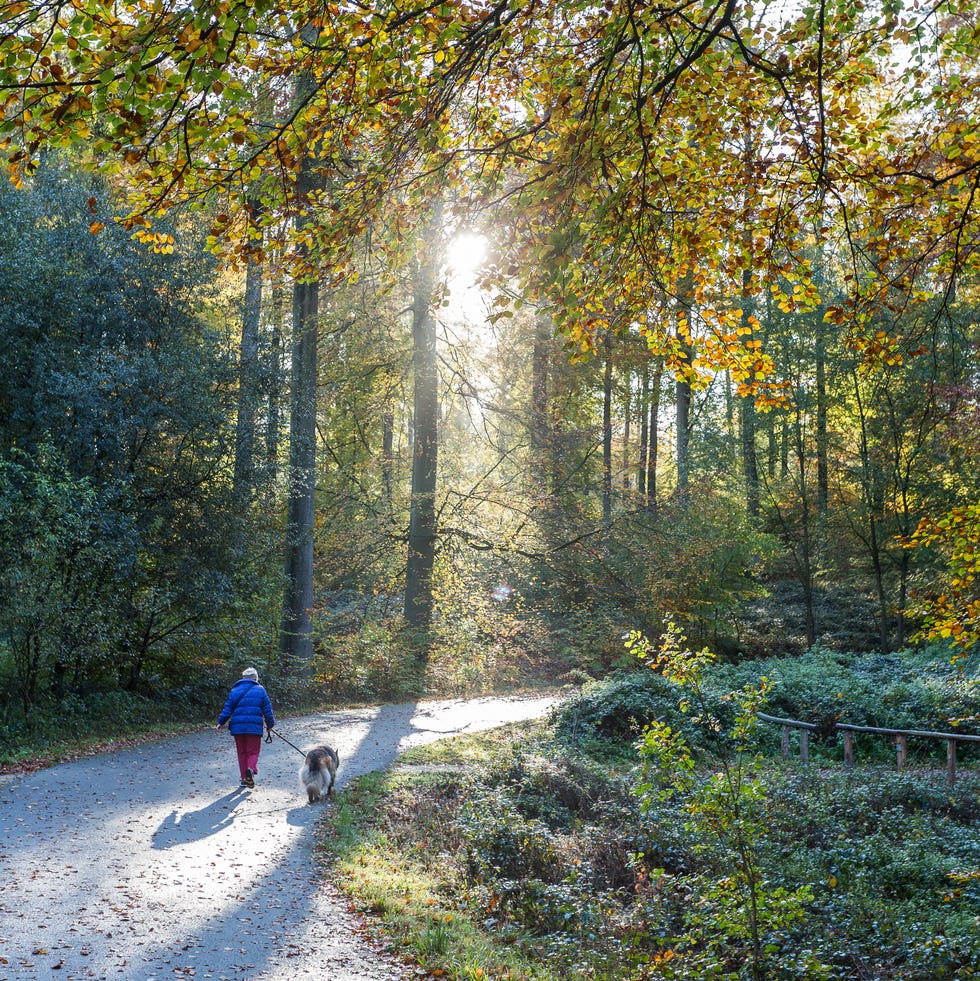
column 274, row 387
column 641, row 474
column 750, row 461
column 823, row 481
column 654, row 438
column 873, row 504
column 607, row 439
column 248, row 375
column 820, row 355
column 296, row 638
column 750, row 464
column 627, row 427
column 422, row 520
column 540, row 434
column 685, row 300
column 387, row 454
column 296, row 633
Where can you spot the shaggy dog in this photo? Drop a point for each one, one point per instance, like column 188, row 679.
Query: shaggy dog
column 319, row 767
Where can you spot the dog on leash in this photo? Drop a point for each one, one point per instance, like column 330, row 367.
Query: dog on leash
column 319, row 771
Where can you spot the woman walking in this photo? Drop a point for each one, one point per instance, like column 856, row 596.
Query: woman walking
column 248, row 706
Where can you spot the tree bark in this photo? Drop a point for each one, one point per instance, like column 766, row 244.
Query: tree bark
column 641, row 473
column 296, row 638
column 750, row 463
column 654, row 439
column 296, row 633
column 248, row 375
column 422, row 531
column 685, row 299
column 607, row 438
column 540, row 433
column 274, row 386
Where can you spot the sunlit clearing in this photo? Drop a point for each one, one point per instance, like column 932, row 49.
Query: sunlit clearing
column 466, row 253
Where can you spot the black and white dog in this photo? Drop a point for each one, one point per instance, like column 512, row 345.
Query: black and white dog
column 319, row 771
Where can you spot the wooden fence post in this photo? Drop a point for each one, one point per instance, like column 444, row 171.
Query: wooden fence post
column 785, row 746
column 901, row 747
column 951, row 761
column 804, row 746
column 848, row 748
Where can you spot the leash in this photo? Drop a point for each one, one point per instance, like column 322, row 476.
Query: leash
column 276, row 732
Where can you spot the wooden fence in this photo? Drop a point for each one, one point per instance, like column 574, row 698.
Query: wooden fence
column 900, row 737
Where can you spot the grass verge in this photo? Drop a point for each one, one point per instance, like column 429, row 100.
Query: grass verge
column 392, row 842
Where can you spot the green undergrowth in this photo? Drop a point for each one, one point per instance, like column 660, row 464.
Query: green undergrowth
column 558, row 850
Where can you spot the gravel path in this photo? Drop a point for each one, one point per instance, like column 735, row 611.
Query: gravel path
column 151, row 863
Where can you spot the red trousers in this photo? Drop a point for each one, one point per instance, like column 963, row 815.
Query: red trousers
column 248, row 746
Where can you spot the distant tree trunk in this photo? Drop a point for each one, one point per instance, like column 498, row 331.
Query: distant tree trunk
column 274, row 386
column 750, row 465
column 641, row 473
column 387, row 452
column 296, row 633
column 870, row 492
column 820, row 354
column 805, row 559
column 750, row 462
column 296, row 639
column 540, row 433
column 683, row 435
column 544, row 435
column 422, row 518
column 685, row 299
column 823, row 479
column 784, row 449
column 248, row 375
column 607, row 438
column 627, row 428
column 654, row 438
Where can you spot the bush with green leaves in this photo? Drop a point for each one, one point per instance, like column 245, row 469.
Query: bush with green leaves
column 618, row 709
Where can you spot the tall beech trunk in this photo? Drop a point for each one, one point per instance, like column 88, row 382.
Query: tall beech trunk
column 654, row 438
column 248, row 374
column 627, row 427
column 296, row 637
column 388, row 453
column 296, row 632
column 641, row 472
column 540, row 433
column 422, row 531
column 274, row 385
column 685, row 300
column 607, row 438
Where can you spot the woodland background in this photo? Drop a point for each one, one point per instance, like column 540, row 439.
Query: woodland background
column 717, row 366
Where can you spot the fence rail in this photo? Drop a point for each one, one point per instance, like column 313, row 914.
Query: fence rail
column 900, row 736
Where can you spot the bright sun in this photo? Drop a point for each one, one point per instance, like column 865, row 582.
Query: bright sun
column 466, row 253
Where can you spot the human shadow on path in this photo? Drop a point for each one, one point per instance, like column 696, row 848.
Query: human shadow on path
column 256, row 936
column 183, row 827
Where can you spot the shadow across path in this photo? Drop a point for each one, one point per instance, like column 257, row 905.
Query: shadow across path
column 180, row 872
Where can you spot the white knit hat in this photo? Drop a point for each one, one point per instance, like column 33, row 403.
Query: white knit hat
column 251, row 673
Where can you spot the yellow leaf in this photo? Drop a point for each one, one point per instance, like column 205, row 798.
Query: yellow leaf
column 95, row 227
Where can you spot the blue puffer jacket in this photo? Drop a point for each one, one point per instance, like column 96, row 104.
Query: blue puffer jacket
column 248, row 706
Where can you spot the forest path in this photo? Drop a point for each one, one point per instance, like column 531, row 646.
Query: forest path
column 151, row 863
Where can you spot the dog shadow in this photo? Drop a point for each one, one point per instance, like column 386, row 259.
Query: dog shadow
column 181, row 828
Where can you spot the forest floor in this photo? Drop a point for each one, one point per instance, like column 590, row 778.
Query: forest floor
column 152, row 863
